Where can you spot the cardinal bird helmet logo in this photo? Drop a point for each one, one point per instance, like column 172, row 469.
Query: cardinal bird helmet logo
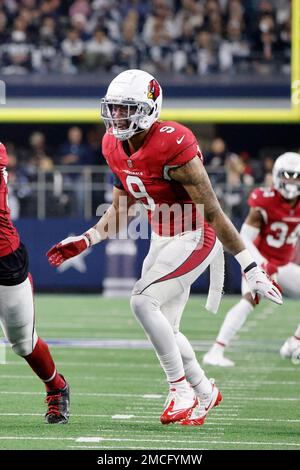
column 153, row 90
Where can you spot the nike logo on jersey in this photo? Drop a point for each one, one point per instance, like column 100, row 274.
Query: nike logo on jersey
column 180, row 140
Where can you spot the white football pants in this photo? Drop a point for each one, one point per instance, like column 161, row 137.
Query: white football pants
column 17, row 317
column 159, row 297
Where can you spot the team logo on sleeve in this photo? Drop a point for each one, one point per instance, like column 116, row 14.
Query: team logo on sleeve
column 153, row 90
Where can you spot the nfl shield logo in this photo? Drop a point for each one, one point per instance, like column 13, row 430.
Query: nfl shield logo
column 130, row 163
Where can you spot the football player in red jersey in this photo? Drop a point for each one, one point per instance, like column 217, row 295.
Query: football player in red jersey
column 159, row 164
column 270, row 232
column 17, row 316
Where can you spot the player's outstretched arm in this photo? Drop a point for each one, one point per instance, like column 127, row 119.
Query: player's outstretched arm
column 108, row 226
column 195, row 180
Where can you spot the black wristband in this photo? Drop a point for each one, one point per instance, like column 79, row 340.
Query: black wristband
column 250, row 266
column 87, row 235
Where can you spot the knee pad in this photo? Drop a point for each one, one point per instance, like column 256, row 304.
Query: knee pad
column 144, row 307
column 23, row 348
column 143, row 303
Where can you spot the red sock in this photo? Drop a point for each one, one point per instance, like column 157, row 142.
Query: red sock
column 41, row 362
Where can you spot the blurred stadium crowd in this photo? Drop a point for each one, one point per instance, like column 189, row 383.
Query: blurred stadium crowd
column 60, row 169
column 187, row 37
column 194, row 37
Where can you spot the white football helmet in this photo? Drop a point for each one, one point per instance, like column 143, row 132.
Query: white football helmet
column 286, row 175
column 132, row 103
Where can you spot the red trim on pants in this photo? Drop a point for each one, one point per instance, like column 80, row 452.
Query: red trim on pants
column 197, row 257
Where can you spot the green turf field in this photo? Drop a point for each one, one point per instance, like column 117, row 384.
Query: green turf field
column 118, row 388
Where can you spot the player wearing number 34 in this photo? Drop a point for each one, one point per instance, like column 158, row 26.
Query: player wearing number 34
column 160, row 164
column 271, row 232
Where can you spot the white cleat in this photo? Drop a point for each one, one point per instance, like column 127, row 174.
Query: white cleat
column 213, row 358
column 178, row 405
column 290, row 347
column 197, row 415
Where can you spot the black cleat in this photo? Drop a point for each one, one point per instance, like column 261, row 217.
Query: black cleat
column 58, row 402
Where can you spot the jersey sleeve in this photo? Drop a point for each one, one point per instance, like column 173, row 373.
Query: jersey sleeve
column 3, row 156
column 262, row 199
column 184, row 147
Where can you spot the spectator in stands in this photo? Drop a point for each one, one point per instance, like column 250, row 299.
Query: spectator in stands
column 39, row 155
column 268, row 163
column 17, row 51
column 81, row 7
column 204, row 54
column 235, row 50
column 183, row 54
column 99, row 52
column 3, row 28
column 74, row 151
column 129, row 49
column 46, row 57
column 79, row 23
column 72, row 48
column 13, row 200
column 217, row 154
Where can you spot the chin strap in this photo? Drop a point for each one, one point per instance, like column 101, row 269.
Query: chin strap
column 216, row 283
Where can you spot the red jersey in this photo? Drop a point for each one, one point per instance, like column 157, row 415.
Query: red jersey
column 281, row 225
column 145, row 176
column 9, row 238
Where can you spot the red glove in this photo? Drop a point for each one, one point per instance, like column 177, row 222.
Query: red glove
column 67, row 248
column 269, row 268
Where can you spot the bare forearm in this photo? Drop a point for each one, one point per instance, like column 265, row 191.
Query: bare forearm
column 196, row 182
column 111, row 222
column 227, row 233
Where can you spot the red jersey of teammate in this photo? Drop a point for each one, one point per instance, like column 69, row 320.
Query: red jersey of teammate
column 9, row 238
column 145, row 176
column 281, row 225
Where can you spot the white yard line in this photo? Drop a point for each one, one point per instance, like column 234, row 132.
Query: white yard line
column 106, row 447
column 256, row 369
column 147, row 440
column 236, row 397
column 212, row 419
column 94, row 364
column 87, row 394
column 119, row 417
column 227, row 384
column 146, row 397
